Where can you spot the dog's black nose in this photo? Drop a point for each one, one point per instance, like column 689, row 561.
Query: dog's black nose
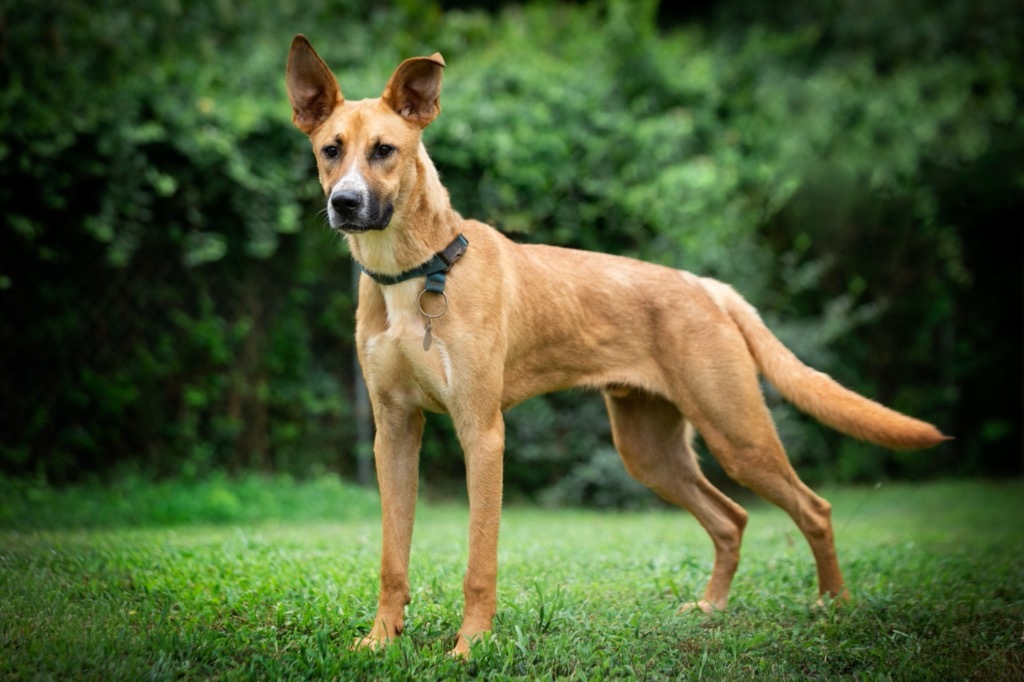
column 346, row 201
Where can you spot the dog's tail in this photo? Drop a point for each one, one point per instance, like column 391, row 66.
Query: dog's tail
column 815, row 392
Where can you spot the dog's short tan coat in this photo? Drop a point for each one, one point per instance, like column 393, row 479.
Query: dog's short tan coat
column 671, row 351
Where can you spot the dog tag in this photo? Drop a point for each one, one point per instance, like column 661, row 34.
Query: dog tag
column 426, row 336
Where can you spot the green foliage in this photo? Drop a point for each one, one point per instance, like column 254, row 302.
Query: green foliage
column 216, row 499
column 172, row 303
column 809, row 173
column 158, row 201
column 583, row 595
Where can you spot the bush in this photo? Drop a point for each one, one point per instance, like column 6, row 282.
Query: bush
column 172, row 303
column 216, row 499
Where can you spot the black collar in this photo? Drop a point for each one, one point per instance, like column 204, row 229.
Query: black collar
column 434, row 269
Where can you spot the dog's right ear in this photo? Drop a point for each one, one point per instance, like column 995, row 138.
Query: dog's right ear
column 312, row 88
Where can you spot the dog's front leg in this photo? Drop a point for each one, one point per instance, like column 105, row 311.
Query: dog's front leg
column 483, row 442
column 396, row 453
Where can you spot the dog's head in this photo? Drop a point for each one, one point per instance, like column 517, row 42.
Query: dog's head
column 365, row 150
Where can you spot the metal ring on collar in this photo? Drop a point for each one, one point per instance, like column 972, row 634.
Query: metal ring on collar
column 419, row 304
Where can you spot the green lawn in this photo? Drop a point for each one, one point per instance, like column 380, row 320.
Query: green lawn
column 937, row 574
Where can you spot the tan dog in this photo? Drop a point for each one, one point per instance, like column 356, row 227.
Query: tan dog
column 671, row 351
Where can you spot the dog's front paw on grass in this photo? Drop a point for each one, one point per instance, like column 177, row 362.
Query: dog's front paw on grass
column 367, row 644
column 703, row 606
column 384, row 630
column 465, row 644
column 372, row 642
column 461, row 650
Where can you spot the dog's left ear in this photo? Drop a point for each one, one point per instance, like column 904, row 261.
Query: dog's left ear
column 414, row 90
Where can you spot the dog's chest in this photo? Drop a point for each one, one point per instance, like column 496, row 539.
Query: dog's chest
column 399, row 352
column 401, row 303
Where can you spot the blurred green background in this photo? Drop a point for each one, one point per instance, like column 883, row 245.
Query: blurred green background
column 172, row 303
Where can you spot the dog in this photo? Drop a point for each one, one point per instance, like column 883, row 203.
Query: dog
column 454, row 317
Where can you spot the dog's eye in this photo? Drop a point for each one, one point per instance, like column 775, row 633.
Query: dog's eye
column 383, row 151
column 330, row 151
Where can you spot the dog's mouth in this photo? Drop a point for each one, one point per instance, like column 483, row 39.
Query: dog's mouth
column 357, row 229
column 364, row 218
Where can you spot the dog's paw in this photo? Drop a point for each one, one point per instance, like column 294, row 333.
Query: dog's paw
column 464, row 645
column 702, row 606
column 368, row 643
column 461, row 650
column 828, row 601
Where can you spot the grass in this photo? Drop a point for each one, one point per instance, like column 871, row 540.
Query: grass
column 937, row 573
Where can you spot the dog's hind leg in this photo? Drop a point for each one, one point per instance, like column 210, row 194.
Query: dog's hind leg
column 764, row 468
column 653, row 438
column 725, row 404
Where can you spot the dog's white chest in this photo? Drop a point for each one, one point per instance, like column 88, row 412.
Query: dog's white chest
column 402, row 304
column 424, row 371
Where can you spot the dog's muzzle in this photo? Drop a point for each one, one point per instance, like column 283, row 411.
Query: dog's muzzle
column 351, row 210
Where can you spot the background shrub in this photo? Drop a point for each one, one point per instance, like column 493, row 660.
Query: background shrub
column 173, row 305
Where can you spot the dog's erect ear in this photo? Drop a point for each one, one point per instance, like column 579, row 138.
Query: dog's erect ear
column 414, row 90
column 312, row 88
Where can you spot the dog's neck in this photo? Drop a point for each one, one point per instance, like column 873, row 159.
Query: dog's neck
column 423, row 224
